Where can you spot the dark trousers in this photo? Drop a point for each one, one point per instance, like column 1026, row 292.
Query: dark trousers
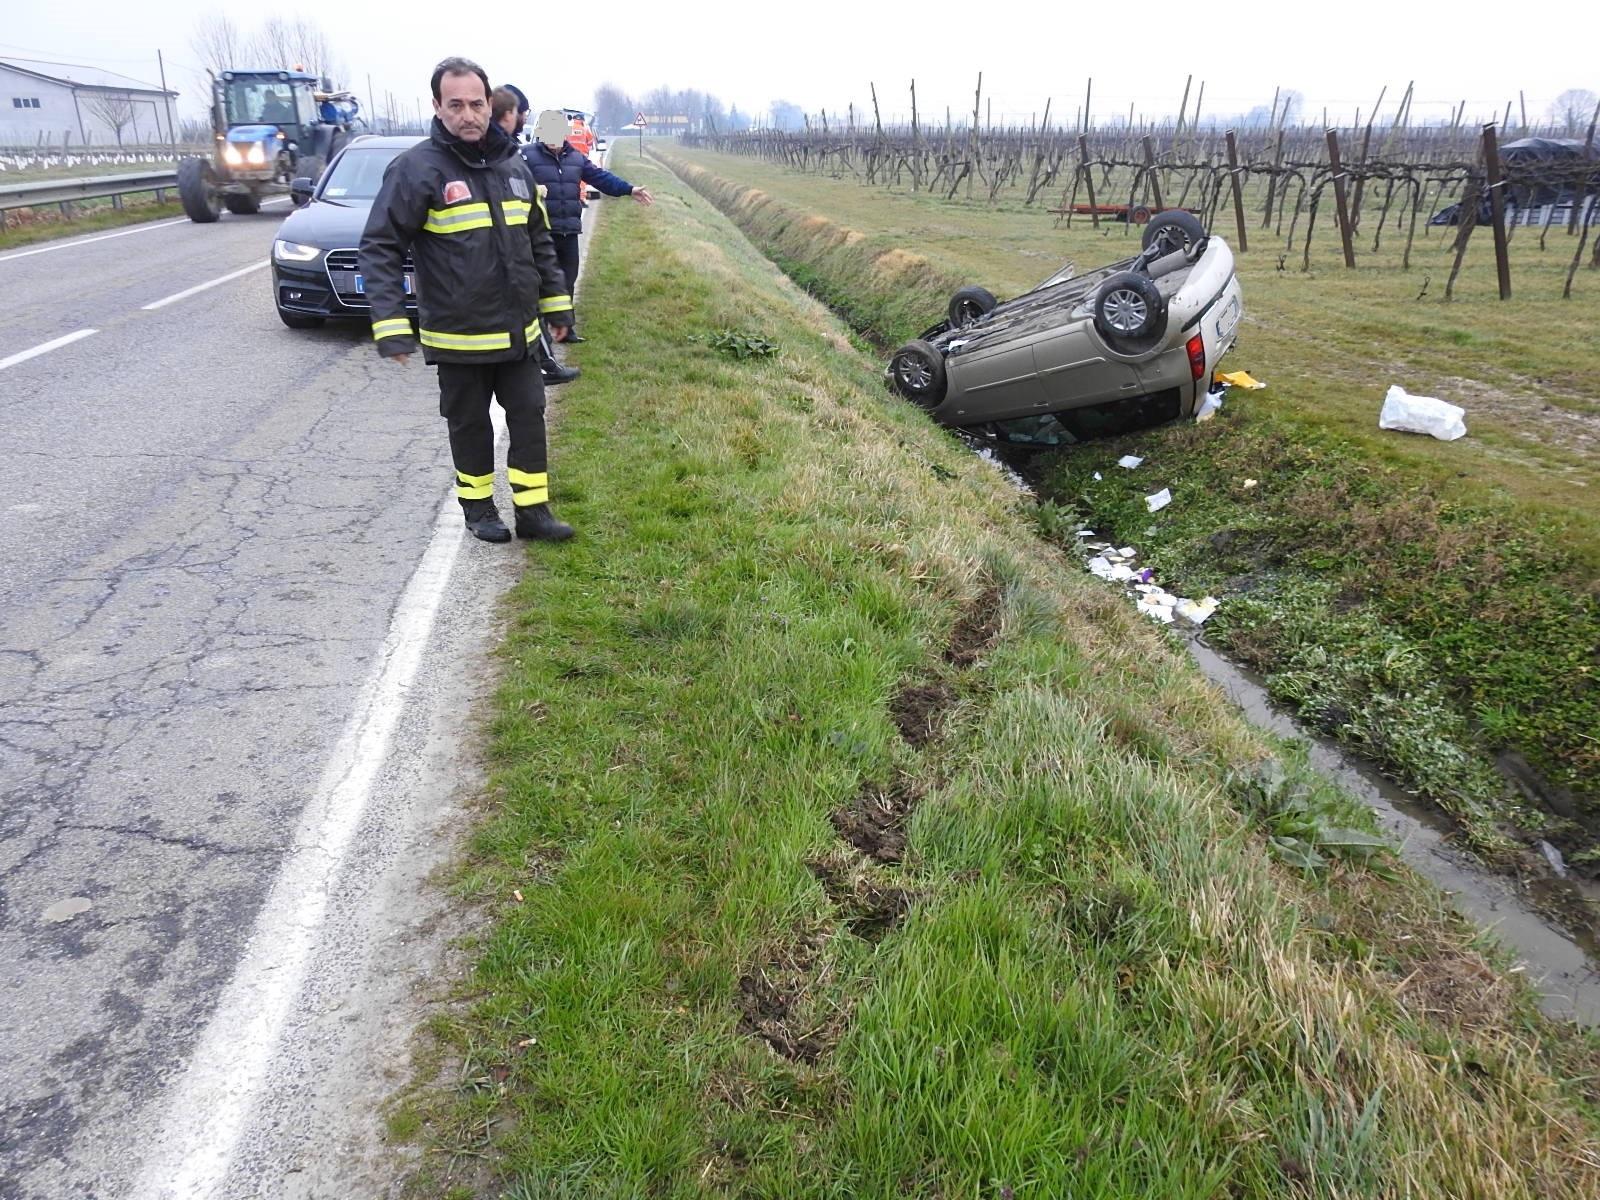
column 465, row 390
column 567, row 256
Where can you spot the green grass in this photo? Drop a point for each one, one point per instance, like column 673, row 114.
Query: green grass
column 90, row 216
column 1373, row 576
column 1083, row 969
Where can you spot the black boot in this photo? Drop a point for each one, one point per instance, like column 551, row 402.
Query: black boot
column 538, row 522
column 573, row 338
column 483, row 519
column 554, row 373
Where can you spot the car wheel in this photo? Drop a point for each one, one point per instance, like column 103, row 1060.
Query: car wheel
column 1139, row 214
column 242, row 205
column 299, row 320
column 1177, row 230
column 1129, row 307
column 970, row 305
column 918, row 373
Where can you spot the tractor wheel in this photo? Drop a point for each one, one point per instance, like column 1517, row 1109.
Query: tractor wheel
column 970, row 305
column 198, row 190
column 242, row 204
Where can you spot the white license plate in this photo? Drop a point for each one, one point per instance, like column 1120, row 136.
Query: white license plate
column 361, row 286
column 1229, row 320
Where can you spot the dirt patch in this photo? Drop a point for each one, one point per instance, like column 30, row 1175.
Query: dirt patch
column 1461, row 990
column 919, row 708
column 779, row 1002
column 875, row 822
column 869, row 909
column 976, row 631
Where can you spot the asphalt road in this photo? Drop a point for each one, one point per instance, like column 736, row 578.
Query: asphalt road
column 241, row 633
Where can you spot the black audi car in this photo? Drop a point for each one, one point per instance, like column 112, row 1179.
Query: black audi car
column 314, row 272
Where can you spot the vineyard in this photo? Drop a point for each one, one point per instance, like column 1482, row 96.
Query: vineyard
column 1276, row 183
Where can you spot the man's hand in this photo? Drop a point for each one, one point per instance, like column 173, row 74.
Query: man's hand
column 558, row 333
column 399, row 359
column 643, row 196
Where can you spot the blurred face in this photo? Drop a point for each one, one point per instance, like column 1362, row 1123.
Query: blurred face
column 463, row 106
column 552, row 128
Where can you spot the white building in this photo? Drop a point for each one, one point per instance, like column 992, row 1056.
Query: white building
column 46, row 102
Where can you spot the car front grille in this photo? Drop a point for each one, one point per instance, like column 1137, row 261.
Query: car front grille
column 342, row 267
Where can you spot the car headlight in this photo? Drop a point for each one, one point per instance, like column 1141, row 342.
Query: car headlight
column 294, row 251
column 231, row 156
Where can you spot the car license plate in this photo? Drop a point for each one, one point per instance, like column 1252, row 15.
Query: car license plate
column 361, row 286
column 1229, row 318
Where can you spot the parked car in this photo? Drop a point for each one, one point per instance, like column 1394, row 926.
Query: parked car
column 314, row 270
column 1140, row 337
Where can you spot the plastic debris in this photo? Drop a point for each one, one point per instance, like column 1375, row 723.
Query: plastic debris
column 1250, row 483
column 1128, row 552
column 1130, row 461
column 1197, row 611
column 1422, row 414
column 1208, row 407
column 1158, row 501
column 1098, row 476
column 1239, row 379
column 1099, row 566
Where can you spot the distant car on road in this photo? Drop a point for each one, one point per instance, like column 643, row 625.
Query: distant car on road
column 314, row 271
column 1140, row 338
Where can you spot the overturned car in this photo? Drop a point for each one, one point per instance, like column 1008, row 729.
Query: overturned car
column 1134, row 343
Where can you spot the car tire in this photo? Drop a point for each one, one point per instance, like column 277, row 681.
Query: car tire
column 197, row 189
column 299, row 320
column 1139, row 214
column 970, row 305
column 1179, row 230
column 242, row 205
column 917, row 370
column 1129, row 308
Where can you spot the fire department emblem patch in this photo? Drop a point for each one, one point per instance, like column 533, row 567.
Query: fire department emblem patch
column 456, row 190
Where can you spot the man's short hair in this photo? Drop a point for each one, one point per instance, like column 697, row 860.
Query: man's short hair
column 503, row 101
column 459, row 66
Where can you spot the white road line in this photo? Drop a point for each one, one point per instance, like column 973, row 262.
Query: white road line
column 25, row 355
column 54, row 246
column 200, row 287
column 213, row 1099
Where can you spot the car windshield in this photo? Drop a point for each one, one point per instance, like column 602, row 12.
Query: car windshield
column 260, row 102
column 359, row 172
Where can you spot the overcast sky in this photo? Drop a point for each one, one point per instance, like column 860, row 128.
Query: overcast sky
column 826, row 54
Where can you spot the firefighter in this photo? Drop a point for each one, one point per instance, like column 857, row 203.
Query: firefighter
column 581, row 137
column 564, row 171
column 465, row 206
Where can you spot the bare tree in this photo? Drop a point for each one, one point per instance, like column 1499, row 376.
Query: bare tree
column 1573, row 109
column 217, row 43
column 612, row 107
column 116, row 111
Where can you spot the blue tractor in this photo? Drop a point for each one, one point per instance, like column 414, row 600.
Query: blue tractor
column 271, row 127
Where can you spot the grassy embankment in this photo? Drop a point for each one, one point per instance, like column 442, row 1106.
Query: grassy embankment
column 844, row 840
column 1435, row 604
column 89, row 216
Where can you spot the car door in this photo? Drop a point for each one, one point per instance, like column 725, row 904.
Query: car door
column 1075, row 369
column 995, row 382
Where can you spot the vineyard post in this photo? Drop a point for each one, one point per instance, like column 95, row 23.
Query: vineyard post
column 1238, row 193
column 1272, row 181
column 1150, row 171
column 1497, row 209
column 1588, row 153
column 1339, row 198
column 1088, row 177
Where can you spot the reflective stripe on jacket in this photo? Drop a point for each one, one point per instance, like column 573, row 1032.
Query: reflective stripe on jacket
column 486, row 269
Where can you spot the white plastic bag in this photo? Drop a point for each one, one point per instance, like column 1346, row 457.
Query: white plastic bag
column 1422, row 414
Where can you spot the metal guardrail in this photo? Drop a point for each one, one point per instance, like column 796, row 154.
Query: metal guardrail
column 92, row 187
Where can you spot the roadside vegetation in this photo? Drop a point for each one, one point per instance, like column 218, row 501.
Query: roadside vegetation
column 1375, row 579
column 24, row 227
column 843, row 839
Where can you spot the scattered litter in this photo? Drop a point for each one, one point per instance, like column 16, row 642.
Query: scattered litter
column 65, row 910
column 1240, row 379
column 1098, row 476
column 1099, row 566
column 1553, row 857
column 1130, row 461
column 1422, row 414
column 1198, row 611
column 1121, row 573
column 1128, row 552
column 1158, row 501
column 1249, row 483
column 1158, row 605
column 1146, row 575
column 1085, row 533
column 1208, row 407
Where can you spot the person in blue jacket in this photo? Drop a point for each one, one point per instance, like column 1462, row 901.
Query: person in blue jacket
column 565, row 172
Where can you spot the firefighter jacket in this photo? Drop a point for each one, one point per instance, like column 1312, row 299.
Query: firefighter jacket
column 565, row 174
column 486, row 269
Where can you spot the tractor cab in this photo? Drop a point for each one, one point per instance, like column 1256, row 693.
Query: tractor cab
column 268, row 122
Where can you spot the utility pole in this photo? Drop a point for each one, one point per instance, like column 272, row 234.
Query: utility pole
column 166, row 98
